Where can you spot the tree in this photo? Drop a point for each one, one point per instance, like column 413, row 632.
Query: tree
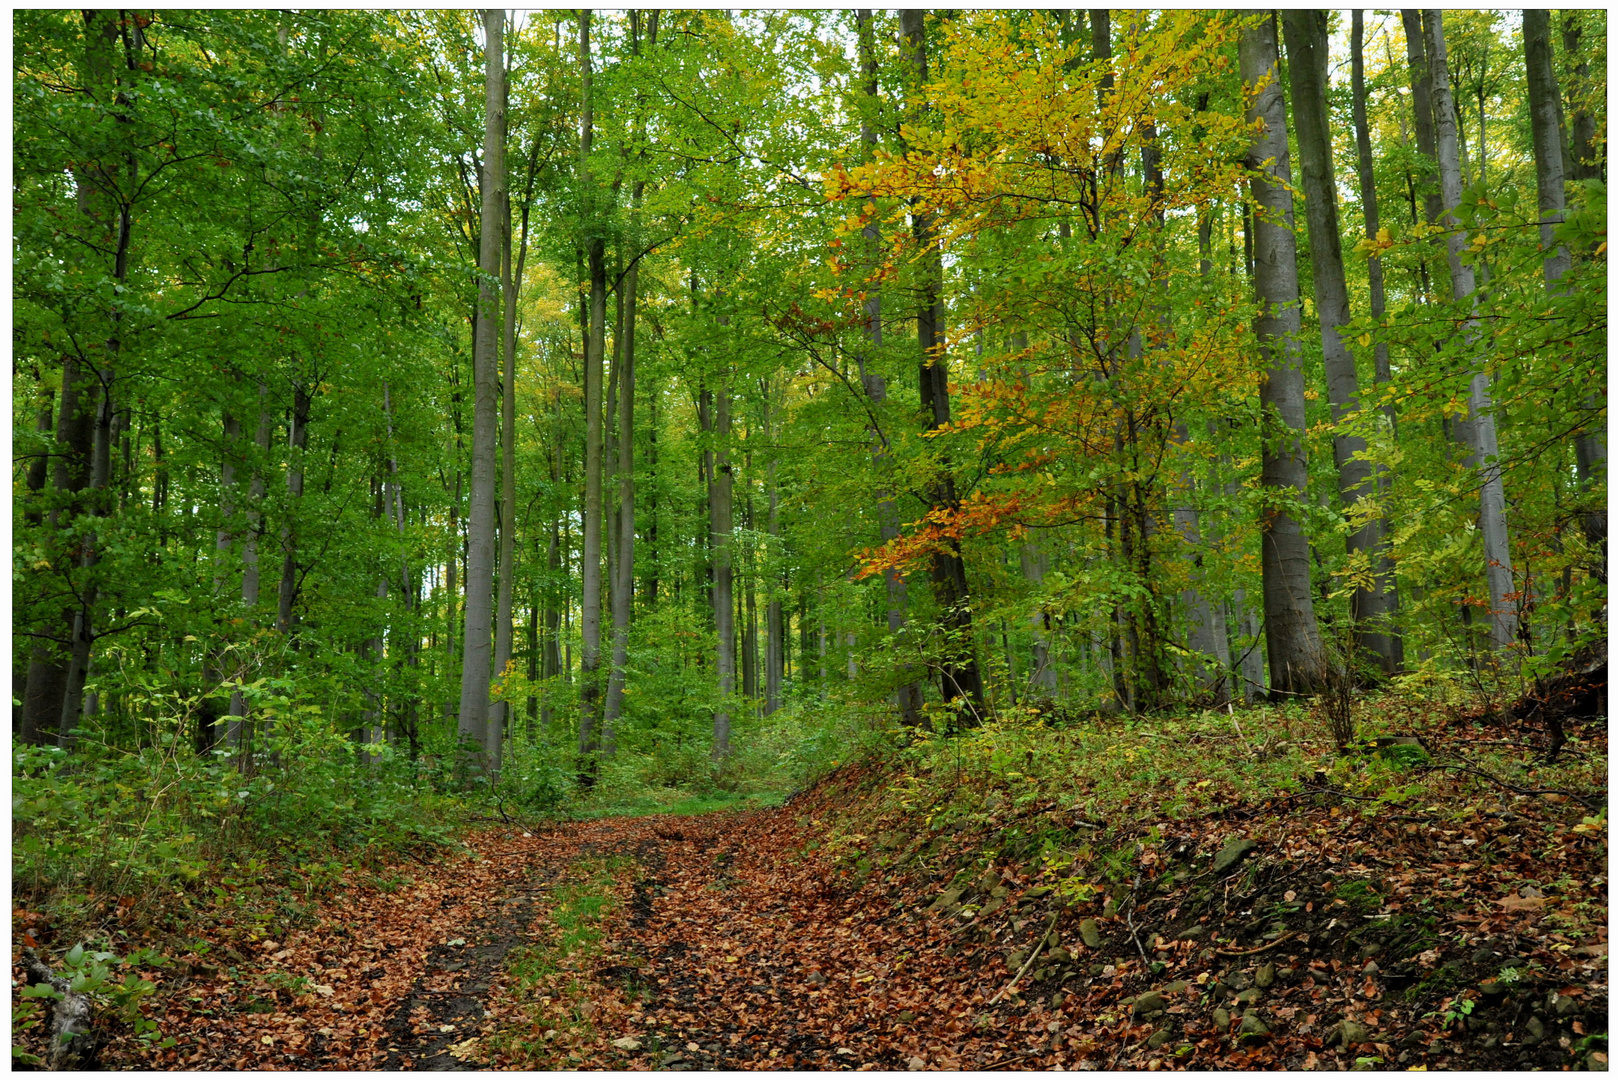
column 473, row 725
column 1289, row 614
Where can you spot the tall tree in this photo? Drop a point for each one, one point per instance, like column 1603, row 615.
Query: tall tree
column 959, row 667
column 1307, row 46
column 473, row 726
column 1289, row 614
column 595, row 243
column 1484, row 444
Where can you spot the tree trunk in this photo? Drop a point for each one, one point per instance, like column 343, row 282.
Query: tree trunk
column 1484, row 447
column 1307, row 48
column 959, row 676
column 907, row 698
column 1290, row 630
column 774, row 630
column 473, row 725
column 720, row 529
column 1584, row 159
column 590, row 571
column 1544, row 112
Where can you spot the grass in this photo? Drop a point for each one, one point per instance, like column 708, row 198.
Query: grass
column 545, row 982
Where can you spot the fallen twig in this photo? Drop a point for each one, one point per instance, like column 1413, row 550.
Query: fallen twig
column 1262, row 948
column 1026, row 965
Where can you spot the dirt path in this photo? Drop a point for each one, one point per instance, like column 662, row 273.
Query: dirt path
column 758, row 940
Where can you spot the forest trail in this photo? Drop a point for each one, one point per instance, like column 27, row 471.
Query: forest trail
column 768, row 939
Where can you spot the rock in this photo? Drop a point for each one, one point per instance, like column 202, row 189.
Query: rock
column 1231, row 854
column 1371, row 949
column 1250, row 996
column 1596, row 1062
column 1264, row 977
column 1222, row 1019
column 907, row 1017
column 1533, row 1031
column 1528, row 892
column 988, row 881
column 992, row 906
column 1109, row 909
column 1061, row 954
column 1175, row 987
column 1412, row 1041
column 1252, row 1030
column 1562, row 1005
column 1057, row 999
column 816, row 979
column 917, row 1064
column 1091, row 933
column 948, row 899
column 1492, row 988
column 1036, row 892
column 999, row 892
column 1148, row 1003
column 1015, row 960
column 1372, row 969
column 1193, row 933
column 1240, row 980
column 1287, row 974
column 627, row 1043
column 1159, row 1038
column 1348, row 1034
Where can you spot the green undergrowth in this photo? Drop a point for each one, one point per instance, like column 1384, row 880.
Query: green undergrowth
column 548, row 982
column 115, row 847
column 1036, row 791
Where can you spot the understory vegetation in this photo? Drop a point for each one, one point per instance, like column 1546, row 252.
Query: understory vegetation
column 487, row 478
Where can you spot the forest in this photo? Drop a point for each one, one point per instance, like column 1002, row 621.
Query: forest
column 695, row 539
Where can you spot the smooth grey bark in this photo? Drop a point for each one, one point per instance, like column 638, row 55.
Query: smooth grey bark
column 1484, row 447
column 774, row 624
column 959, row 675
column 1581, row 155
column 1307, row 48
column 907, row 698
column 511, row 289
column 623, row 565
column 590, row 571
column 1551, row 159
column 1368, row 204
column 1544, row 113
column 1292, row 636
column 473, row 726
column 720, row 529
column 1481, row 423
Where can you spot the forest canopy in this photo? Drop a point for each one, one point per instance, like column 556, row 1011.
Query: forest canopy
column 677, row 393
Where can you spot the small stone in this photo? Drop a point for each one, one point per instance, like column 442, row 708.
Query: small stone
column 628, row 1042
column 1412, row 1041
column 1563, row 1006
column 1287, row 974
column 1231, row 854
column 1252, row 1030
column 816, row 979
column 1148, row 1003
column 1015, row 960
column 1371, row 969
column 1221, row 1018
column 947, row 900
column 1350, row 1033
column 907, row 1017
column 1529, row 892
column 1175, row 987
column 1000, row 892
column 1061, row 954
column 1240, row 980
column 1492, row 988
column 1193, row 933
column 917, row 1064
column 1250, row 996
column 1159, row 1038
column 1057, row 999
column 1596, row 1062
column 1109, row 909
column 1091, row 933
column 1370, row 950
column 1534, row 1031
column 1264, row 977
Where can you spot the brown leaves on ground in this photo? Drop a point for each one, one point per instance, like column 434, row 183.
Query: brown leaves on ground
column 1338, row 936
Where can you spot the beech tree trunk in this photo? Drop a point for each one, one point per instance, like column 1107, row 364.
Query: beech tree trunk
column 907, row 698
column 590, row 571
column 720, row 530
column 1291, row 633
column 1485, row 450
column 1307, row 48
column 473, row 726
column 959, row 676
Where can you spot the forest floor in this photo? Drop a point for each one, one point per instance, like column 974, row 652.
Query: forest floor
column 1300, row 932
